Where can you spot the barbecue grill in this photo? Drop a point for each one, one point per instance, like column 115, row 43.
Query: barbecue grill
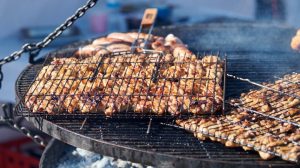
column 254, row 52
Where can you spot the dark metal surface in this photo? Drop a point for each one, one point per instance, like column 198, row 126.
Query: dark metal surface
column 53, row 152
column 253, row 58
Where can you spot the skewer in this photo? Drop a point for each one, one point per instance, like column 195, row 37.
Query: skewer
column 224, row 84
column 171, row 125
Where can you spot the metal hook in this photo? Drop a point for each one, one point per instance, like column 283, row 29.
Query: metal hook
column 32, row 55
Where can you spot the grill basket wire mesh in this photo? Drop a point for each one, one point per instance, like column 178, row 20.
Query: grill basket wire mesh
column 273, row 98
column 280, row 116
column 160, row 81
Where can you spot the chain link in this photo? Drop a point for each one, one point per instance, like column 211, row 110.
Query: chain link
column 36, row 138
column 35, row 48
column 8, row 120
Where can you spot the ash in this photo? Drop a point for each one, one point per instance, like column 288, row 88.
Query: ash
column 79, row 158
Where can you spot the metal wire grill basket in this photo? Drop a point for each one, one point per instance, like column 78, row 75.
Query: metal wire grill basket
column 126, row 84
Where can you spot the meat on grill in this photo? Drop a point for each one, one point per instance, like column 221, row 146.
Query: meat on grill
column 295, row 42
column 254, row 131
column 282, row 100
column 175, row 82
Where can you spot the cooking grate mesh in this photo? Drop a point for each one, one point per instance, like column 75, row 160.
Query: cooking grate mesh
column 136, row 84
column 163, row 139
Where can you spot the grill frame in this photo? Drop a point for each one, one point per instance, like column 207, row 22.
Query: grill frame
column 153, row 158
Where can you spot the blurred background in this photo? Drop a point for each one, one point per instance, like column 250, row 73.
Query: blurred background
column 31, row 20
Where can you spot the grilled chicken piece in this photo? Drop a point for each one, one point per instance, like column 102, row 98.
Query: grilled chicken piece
column 295, row 42
column 182, row 55
column 118, row 47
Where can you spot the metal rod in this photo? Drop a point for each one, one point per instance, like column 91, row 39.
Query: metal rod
column 224, row 84
column 149, row 126
column 148, row 37
column 147, row 21
column 83, row 123
column 96, row 71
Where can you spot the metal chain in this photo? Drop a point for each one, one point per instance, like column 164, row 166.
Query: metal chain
column 35, row 48
column 8, row 120
column 36, row 138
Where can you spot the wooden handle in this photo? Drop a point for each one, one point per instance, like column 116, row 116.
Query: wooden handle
column 149, row 17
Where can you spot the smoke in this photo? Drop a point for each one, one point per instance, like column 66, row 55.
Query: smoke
column 233, row 37
column 255, row 51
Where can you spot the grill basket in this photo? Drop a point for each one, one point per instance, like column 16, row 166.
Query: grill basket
column 125, row 85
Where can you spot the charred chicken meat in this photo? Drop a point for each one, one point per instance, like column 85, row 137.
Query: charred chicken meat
column 171, row 80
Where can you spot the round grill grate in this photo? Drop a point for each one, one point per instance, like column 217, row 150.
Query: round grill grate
column 166, row 145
